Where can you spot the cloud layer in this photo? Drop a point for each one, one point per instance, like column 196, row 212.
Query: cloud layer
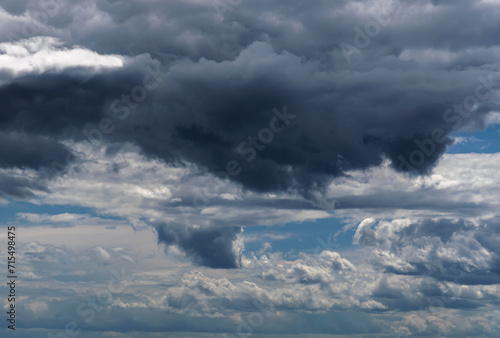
column 145, row 143
column 216, row 111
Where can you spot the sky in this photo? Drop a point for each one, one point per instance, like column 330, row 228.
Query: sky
column 264, row 168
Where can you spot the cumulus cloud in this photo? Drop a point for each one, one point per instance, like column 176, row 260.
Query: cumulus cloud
column 194, row 125
column 452, row 250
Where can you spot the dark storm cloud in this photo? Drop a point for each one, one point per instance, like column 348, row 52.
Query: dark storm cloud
column 206, row 110
column 205, row 113
column 58, row 105
column 210, row 247
column 39, row 112
column 222, row 105
column 19, row 187
column 29, row 151
column 179, row 28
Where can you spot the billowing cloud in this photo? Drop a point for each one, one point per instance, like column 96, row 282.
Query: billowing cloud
column 225, row 112
column 452, row 250
column 164, row 134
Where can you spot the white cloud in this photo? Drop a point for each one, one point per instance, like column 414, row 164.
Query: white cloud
column 372, row 305
column 461, row 185
column 445, row 249
column 465, row 140
column 42, row 54
column 130, row 185
column 143, row 190
column 46, row 218
column 493, row 118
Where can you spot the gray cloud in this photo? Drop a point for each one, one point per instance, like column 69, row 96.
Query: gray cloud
column 26, row 150
column 19, row 187
column 210, row 247
column 452, row 250
column 227, row 76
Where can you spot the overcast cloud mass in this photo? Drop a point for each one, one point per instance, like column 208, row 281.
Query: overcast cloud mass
column 264, row 168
